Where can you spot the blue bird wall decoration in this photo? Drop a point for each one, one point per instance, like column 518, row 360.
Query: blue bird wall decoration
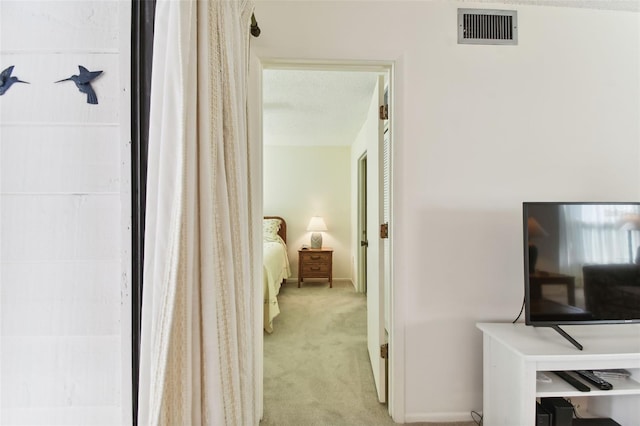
column 6, row 80
column 83, row 83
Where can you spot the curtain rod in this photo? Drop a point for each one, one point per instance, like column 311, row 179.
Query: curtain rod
column 255, row 29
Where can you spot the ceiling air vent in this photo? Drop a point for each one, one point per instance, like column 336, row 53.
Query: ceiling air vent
column 484, row 26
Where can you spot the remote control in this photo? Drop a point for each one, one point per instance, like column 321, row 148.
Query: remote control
column 573, row 381
column 597, row 381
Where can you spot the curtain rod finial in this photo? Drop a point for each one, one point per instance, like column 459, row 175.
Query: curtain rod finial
column 255, row 29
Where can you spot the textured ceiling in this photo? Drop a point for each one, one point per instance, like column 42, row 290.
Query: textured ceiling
column 315, row 108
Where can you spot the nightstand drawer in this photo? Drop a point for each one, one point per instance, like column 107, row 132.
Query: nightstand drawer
column 315, row 257
column 310, row 268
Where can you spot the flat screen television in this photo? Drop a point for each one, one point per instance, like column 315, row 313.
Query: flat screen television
column 582, row 263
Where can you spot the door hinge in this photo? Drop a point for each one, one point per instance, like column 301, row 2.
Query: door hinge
column 384, row 351
column 384, row 112
column 384, row 230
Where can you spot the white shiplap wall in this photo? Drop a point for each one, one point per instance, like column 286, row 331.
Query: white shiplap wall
column 64, row 294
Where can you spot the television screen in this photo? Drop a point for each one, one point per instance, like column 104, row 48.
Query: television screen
column 582, row 262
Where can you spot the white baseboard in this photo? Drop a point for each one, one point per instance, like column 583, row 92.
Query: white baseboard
column 437, row 417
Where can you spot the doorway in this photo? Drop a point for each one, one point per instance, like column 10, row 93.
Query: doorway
column 362, row 165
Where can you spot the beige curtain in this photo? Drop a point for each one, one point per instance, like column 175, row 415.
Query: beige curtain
column 197, row 361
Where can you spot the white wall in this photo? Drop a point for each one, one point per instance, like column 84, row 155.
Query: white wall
column 477, row 130
column 64, row 214
column 301, row 182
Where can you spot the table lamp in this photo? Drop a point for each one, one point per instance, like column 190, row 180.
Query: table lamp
column 316, row 225
column 534, row 230
column 631, row 222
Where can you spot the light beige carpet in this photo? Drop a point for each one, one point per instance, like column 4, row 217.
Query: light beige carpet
column 316, row 365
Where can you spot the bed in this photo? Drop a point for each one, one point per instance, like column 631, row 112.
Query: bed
column 275, row 265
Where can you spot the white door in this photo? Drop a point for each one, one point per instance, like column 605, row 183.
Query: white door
column 376, row 265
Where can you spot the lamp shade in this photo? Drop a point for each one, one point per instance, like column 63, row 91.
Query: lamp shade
column 316, row 224
column 630, row 222
column 534, row 229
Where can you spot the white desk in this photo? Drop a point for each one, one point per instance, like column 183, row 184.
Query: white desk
column 513, row 353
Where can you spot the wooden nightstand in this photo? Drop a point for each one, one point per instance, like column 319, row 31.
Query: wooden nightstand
column 315, row 263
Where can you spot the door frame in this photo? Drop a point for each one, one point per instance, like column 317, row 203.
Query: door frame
column 396, row 383
column 362, row 230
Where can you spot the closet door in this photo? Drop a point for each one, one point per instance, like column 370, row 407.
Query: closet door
column 376, row 336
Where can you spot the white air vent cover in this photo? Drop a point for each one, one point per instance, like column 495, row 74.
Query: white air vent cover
column 484, row 26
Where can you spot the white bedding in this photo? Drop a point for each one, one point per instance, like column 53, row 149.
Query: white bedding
column 276, row 268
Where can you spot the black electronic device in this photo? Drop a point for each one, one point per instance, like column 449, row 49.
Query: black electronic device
column 595, row 422
column 582, row 263
column 573, row 381
column 561, row 410
column 598, row 382
column 543, row 417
